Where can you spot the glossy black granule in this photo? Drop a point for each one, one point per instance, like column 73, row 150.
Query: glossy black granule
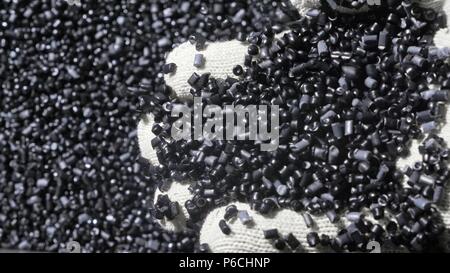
column 69, row 160
column 353, row 92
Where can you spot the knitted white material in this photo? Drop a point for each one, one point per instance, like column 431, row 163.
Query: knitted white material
column 431, row 4
column 304, row 5
column 220, row 59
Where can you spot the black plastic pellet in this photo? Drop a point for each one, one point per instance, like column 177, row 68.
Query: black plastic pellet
column 173, row 210
column 169, row 68
column 313, row 239
column 279, row 243
column 238, row 70
column 209, row 193
column 421, row 203
column 348, row 129
column 271, row 233
column 342, row 240
column 42, row 183
column 224, row 227
column 378, row 212
column 354, row 216
column 338, row 130
column 428, row 127
column 244, row 217
column 253, row 50
column 230, row 212
column 199, row 60
column 371, row 83
column 292, row 241
column 322, row 48
column 308, row 220
column 362, row 155
column 193, row 79
column 332, row 216
column 325, row 240
column 438, row 193
column 427, row 179
column 314, row 188
column 301, row 145
column 383, row 40
column 350, row 72
column 204, row 248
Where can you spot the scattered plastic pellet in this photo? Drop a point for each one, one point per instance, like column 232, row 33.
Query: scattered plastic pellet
column 271, row 233
column 224, row 227
column 75, row 81
column 244, row 217
column 199, row 60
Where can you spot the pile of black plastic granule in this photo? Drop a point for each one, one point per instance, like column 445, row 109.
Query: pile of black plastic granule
column 353, row 91
column 69, row 160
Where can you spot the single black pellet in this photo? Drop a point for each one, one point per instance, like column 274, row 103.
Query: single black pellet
column 371, row 83
column 230, row 212
column 426, row 179
column 332, row 216
column 325, row 240
column 238, row 70
column 363, row 155
column 199, row 60
column 438, row 193
column 292, row 241
column 348, row 129
column 383, row 40
column 322, row 48
column 169, row 68
column 308, row 220
column 314, row 188
column 193, row 79
column 301, row 145
column 378, row 212
column 421, row 203
column 253, row 50
column 342, row 240
column 271, row 233
column 279, row 243
column 313, row 239
column 338, row 130
column 354, row 216
column 244, row 217
column 224, row 227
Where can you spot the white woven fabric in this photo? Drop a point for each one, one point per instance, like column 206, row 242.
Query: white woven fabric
column 304, row 5
column 431, row 4
column 220, row 60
